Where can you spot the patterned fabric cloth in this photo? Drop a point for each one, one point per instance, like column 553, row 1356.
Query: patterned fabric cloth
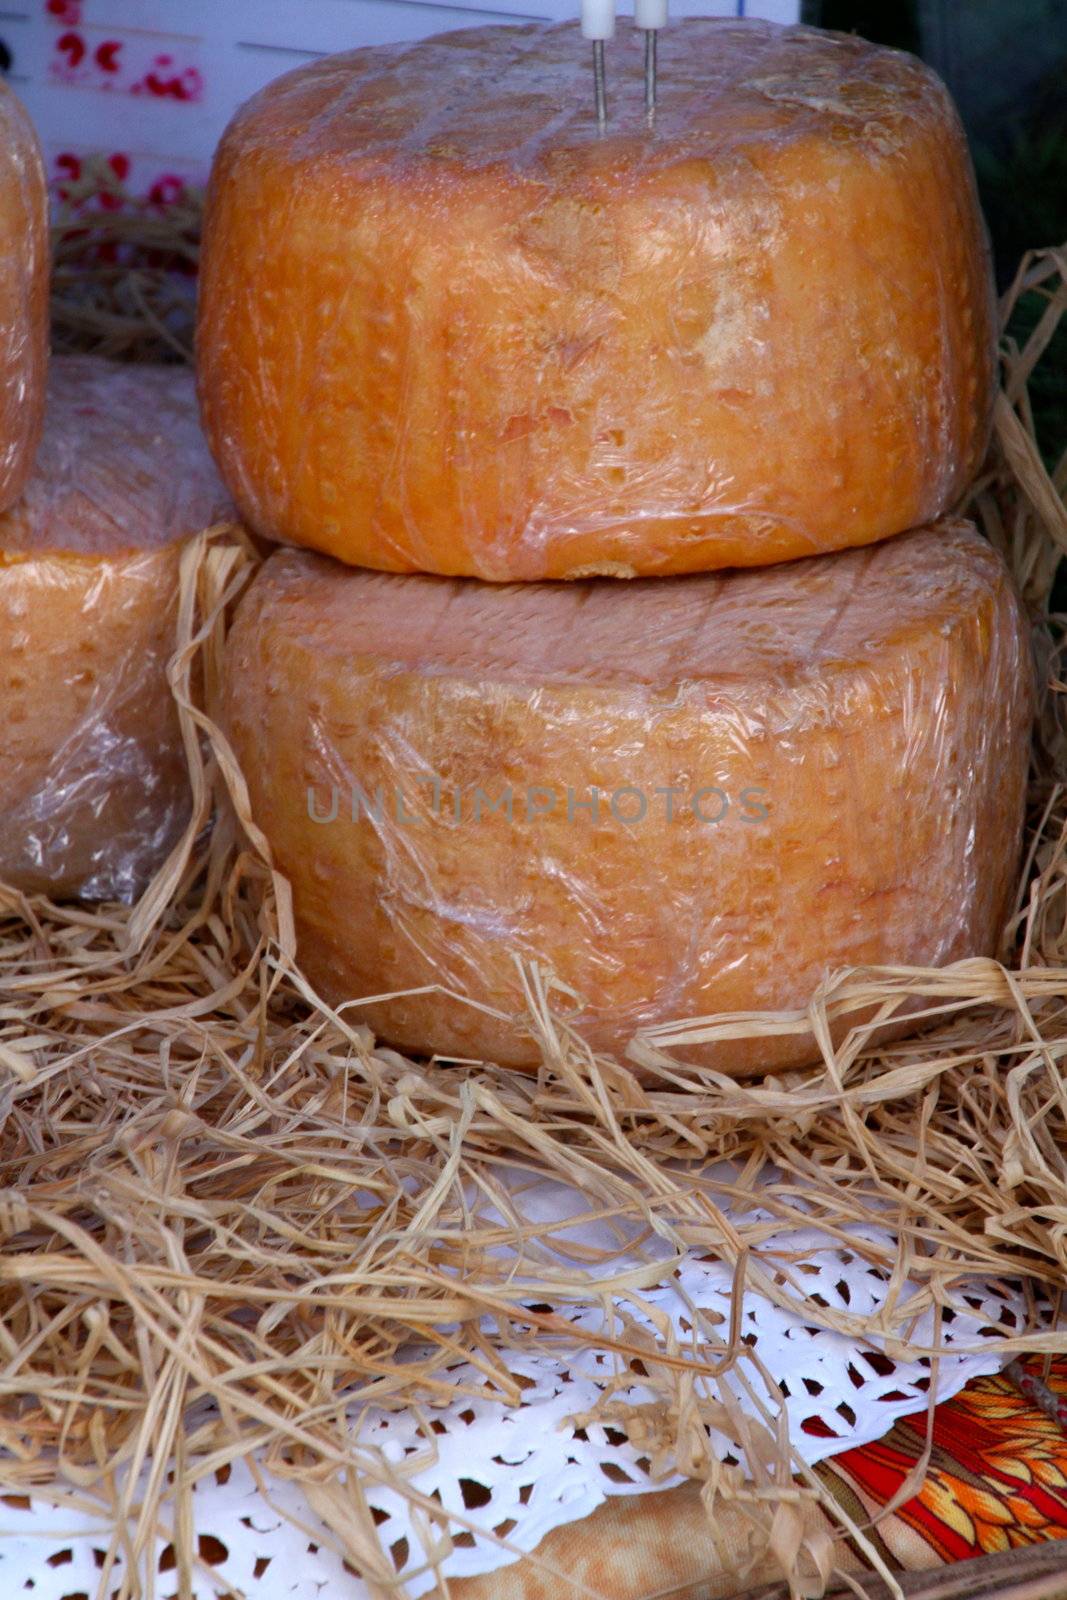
column 996, row 1481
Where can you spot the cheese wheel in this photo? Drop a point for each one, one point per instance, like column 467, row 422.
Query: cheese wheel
column 23, row 296
column 93, row 782
column 447, row 326
column 635, row 1546
column 679, row 796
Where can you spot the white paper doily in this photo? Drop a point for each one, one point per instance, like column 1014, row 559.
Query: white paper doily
column 517, row 1472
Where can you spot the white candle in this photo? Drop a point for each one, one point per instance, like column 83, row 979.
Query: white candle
column 598, row 19
column 650, row 13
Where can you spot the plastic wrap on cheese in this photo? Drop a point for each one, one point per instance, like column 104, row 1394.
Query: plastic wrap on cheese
column 446, row 325
column 24, row 265
column 93, row 783
column 679, row 797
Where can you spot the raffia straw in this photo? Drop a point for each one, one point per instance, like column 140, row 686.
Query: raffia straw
column 123, row 279
column 185, row 1279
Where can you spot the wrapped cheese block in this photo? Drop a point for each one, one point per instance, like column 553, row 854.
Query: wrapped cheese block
column 448, row 326
column 678, row 797
column 23, row 296
column 93, row 784
column 636, row 1546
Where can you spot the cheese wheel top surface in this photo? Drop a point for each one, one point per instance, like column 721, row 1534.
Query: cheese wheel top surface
column 682, row 798
column 753, row 630
column 122, row 465
column 519, row 98
column 446, row 325
column 24, row 267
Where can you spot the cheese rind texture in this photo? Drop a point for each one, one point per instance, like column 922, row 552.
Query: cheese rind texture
column 446, row 326
column 24, row 267
column 721, row 788
column 94, row 788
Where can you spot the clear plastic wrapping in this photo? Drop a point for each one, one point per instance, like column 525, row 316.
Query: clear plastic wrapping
column 23, row 295
column 679, row 797
column 93, row 784
column 446, row 325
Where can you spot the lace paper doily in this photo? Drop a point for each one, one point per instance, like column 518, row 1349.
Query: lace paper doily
column 514, row 1473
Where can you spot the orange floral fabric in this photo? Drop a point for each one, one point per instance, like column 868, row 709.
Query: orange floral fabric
column 996, row 1480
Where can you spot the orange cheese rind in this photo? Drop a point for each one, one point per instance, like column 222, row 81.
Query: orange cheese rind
column 93, row 785
column 446, row 325
column 24, row 268
column 846, row 738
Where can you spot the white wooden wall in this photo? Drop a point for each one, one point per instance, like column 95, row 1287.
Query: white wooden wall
column 152, row 83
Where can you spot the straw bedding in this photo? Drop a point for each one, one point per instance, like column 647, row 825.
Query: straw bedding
column 184, row 1278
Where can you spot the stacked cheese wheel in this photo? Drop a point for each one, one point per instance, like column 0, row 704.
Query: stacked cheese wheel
column 449, row 326
column 94, row 791
column 23, row 296
column 104, row 474
column 679, row 796
column 452, row 330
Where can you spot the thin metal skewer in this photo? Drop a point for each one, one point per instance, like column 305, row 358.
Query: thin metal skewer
column 600, row 83
column 650, row 15
column 598, row 24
